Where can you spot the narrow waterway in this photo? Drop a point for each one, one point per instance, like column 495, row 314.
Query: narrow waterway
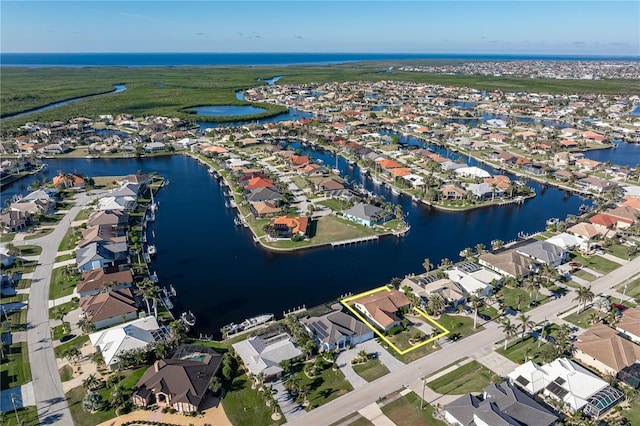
column 117, row 88
column 222, row 276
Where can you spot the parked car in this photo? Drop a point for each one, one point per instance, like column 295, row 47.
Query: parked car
column 574, row 264
column 619, row 306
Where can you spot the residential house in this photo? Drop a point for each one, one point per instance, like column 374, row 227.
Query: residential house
column 180, row 382
column 472, row 172
column 629, row 324
column 262, row 194
column 100, row 233
column 544, row 252
column 602, row 348
column 596, row 184
column 137, row 334
column 100, row 255
column 366, row 214
column 101, row 279
column 427, row 285
column 474, row 279
column 337, row 330
column 117, row 219
column 499, row 405
column 508, row 263
column 568, row 241
column 566, row 381
column 588, row 230
column 260, row 355
column 265, row 208
column 483, row 191
column 588, row 164
column 54, row 148
column 69, row 181
column 289, row 226
column 117, row 203
column 452, row 192
column 383, row 307
column 109, row 308
column 15, row 220
column 154, row 146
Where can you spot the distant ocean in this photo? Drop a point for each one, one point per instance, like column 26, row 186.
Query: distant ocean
column 38, row 60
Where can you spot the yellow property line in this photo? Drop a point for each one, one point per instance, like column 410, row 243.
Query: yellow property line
column 346, row 301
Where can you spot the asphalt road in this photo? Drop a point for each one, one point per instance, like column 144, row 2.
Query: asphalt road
column 50, row 402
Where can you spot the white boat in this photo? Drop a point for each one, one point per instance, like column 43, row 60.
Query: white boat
column 376, row 180
column 395, row 191
column 363, row 171
column 256, row 321
column 351, row 163
column 188, row 318
column 553, row 221
column 415, row 198
column 336, row 171
column 152, row 250
column 212, row 171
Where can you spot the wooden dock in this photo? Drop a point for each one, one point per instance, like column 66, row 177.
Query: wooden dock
column 355, row 241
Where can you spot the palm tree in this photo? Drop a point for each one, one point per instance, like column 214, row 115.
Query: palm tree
column 117, row 397
column 436, row 303
column 445, row 263
column 72, row 354
column 530, row 286
column 509, row 331
column 427, row 265
column 583, row 296
column 86, row 326
column 519, row 300
column 480, row 248
column 475, row 301
column 526, row 352
column 91, row 382
column 525, row 323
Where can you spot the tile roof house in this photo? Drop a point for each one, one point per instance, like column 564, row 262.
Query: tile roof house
column 501, row 404
column 452, row 192
column 15, row 221
column 262, row 194
column 289, row 226
column 117, row 219
column 265, row 208
column 109, row 308
column 366, row 214
column 508, row 263
column 602, row 348
column 97, row 281
column 629, row 324
column 424, row 287
column 566, row 381
column 264, row 355
column 382, row 307
column 544, row 252
column 100, row 255
column 337, row 330
column 180, row 382
column 136, row 334
column 100, row 233
column 587, row 230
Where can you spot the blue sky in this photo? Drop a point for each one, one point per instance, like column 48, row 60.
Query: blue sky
column 533, row 27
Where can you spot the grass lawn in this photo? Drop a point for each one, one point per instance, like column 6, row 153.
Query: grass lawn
column 621, row 251
column 76, row 342
column 371, row 370
column 39, row 233
column 489, row 311
column 63, row 284
column 460, row 326
column 245, row 406
column 82, row 418
column 29, row 250
column 584, row 275
column 325, row 387
column 23, row 283
column 406, row 411
column 15, row 298
column 83, row 214
column 28, row 417
column 300, row 182
column 581, row 319
column 401, row 340
column 333, row 204
column 66, row 307
column 633, row 289
column 510, row 298
column 633, row 413
column 65, row 257
column 471, row 377
column 16, row 370
column 70, row 239
column 22, row 267
column 597, row 263
column 66, row 373
column 354, row 419
column 7, row 237
column 18, row 320
column 537, row 349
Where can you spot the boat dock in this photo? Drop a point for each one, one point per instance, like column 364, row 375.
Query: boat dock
column 355, row 241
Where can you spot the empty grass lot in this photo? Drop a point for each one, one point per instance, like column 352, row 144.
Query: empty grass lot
column 16, row 370
column 406, row 411
column 536, row 350
column 28, row 417
column 597, row 263
column 245, row 406
column 471, row 377
column 581, row 319
column 371, row 370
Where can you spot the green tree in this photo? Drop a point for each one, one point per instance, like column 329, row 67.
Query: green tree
column 91, row 402
column 509, row 331
column 584, row 295
column 215, row 385
column 427, row 265
column 525, row 323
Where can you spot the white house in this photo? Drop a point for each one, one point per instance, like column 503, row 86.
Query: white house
column 136, row 334
column 474, row 279
column 264, row 356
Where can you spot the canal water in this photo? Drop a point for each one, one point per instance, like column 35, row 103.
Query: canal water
column 223, row 277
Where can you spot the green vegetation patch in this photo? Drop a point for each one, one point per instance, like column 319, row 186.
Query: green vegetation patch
column 65, row 257
column 597, row 263
column 518, row 299
column 371, row 370
column 245, row 406
column 41, row 232
column 70, row 239
column 471, row 377
column 7, row 237
column 325, row 387
column 406, row 411
column 581, row 319
column 77, row 342
column 580, row 273
column 66, row 373
column 538, row 351
column 63, row 281
column 15, row 371
column 28, row 416
column 82, row 418
column 355, row 419
column 29, row 250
